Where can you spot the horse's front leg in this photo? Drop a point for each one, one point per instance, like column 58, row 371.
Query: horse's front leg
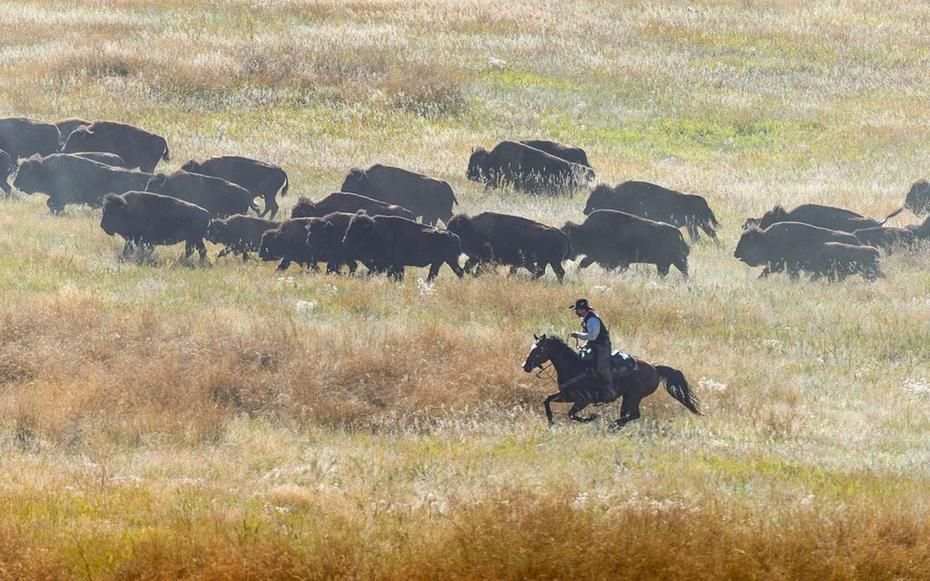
column 555, row 397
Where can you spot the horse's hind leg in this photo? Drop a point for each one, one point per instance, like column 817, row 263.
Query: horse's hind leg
column 629, row 411
column 573, row 413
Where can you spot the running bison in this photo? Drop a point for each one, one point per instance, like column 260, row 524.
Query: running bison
column 260, row 178
column 786, row 245
column 6, row 168
column 917, row 200
column 526, row 168
column 139, row 148
column 827, row 217
column 239, row 234
column 146, row 220
column 615, row 239
column 21, row 137
column 836, row 261
column 490, row 238
column 429, row 198
column 218, row 196
column 346, row 202
column 654, row 202
column 325, row 241
column 288, row 243
column 566, row 152
column 390, row 243
column 70, row 179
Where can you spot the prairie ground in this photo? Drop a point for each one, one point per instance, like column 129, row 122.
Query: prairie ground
column 160, row 421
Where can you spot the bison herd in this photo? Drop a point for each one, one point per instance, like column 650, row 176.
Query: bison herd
column 388, row 218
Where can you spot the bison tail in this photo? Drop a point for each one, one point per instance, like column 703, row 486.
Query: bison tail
column 166, row 156
column 286, row 185
column 892, row 215
column 677, row 386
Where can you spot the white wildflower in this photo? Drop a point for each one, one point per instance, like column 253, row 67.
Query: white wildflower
column 496, row 63
column 306, row 307
column 426, row 289
column 917, row 386
column 711, row 385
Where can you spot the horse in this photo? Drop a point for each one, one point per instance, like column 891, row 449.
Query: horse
column 577, row 383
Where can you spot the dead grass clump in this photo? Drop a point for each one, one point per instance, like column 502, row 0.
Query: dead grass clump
column 427, row 90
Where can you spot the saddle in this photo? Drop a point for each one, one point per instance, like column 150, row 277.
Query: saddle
column 621, row 363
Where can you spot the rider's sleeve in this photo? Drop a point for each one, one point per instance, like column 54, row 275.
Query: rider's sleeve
column 594, row 329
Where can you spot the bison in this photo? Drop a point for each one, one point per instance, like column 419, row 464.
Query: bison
column 887, row 238
column 239, row 234
column 218, row 196
column 288, row 243
column 139, row 148
column 654, row 202
column 917, row 200
column 391, row 243
column 429, row 198
column 347, row 202
column 615, row 239
column 262, row 179
column 828, row 217
column 526, row 168
column 69, row 179
column 836, row 261
column 566, row 152
column 786, row 245
column 6, row 168
column 491, row 238
column 66, row 126
column 326, row 242
column 21, row 137
column 145, row 220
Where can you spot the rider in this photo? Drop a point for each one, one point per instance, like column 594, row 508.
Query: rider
column 598, row 338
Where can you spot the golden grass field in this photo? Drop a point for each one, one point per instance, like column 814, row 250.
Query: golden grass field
column 166, row 422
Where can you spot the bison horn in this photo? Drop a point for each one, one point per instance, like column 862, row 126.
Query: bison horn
column 535, row 336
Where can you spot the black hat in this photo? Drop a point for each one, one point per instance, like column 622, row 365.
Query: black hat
column 580, row 304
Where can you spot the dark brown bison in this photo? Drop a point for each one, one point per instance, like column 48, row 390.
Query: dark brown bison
column 239, row 234
column 391, row 243
column 21, row 137
column 288, row 243
column 262, row 179
column 218, row 196
column 491, row 238
column 429, row 198
column 526, row 168
column 836, row 261
column 101, row 157
column 827, row 217
column 615, row 239
column 66, row 126
column 139, row 148
column 654, row 202
column 566, row 152
column 786, row 245
column 326, row 242
column 69, row 179
column 146, row 220
column 917, row 200
column 346, row 202
column 887, row 238
column 6, row 168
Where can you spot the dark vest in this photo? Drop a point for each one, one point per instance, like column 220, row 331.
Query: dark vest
column 603, row 338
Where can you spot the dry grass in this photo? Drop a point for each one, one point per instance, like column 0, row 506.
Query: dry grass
column 233, row 422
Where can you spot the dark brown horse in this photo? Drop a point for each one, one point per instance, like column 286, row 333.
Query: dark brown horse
column 577, row 384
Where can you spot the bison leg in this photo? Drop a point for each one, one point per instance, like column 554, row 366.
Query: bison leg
column 663, row 269
column 682, row 265
column 271, row 206
column 54, row 206
column 224, row 252
column 433, row 271
column 282, row 266
column 454, row 265
column 693, row 232
column 396, row 273
column 5, row 187
column 558, row 270
column 710, row 232
column 471, row 266
column 201, row 250
column 585, row 262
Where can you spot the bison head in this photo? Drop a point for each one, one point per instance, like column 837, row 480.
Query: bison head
column 157, row 183
column 29, row 179
column 114, row 210
column 918, row 198
column 776, row 214
column 598, row 198
column 216, row 230
column 479, row 165
column 191, row 166
column 358, row 237
column 270, row 247
column 751, row 247
column 356, row 182
column 571, row 230
column 305, row 208
column 79, row 140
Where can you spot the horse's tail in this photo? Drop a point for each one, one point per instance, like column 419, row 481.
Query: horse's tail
column 677, row 386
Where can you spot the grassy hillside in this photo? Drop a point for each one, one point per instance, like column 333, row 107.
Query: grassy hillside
column 235, row 422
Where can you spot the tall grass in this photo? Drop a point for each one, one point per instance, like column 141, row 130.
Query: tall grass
column 160, row 421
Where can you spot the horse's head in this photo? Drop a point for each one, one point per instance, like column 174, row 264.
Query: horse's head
column 541, row 352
